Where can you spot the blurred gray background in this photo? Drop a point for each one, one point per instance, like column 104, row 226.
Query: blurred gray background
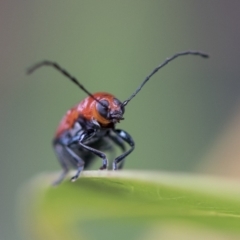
column 184, row 120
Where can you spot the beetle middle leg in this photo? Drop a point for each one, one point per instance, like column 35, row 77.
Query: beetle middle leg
column 78, row 161
column 59, row 151
column 67, row 157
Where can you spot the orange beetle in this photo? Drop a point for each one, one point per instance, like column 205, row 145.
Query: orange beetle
column 88, row 129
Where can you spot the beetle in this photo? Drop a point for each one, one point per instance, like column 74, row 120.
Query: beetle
column 88, row 129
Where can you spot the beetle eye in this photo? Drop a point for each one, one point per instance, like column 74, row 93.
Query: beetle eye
column 102, row 108
column 123, row 109
column 118, row 103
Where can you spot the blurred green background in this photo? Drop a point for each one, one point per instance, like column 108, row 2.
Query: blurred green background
column 185, row 119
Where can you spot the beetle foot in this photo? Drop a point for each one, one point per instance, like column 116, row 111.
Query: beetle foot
column 114, row 167
column 103, row 167
column 74, row 178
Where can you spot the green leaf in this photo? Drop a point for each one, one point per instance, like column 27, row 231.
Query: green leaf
column 130, row 205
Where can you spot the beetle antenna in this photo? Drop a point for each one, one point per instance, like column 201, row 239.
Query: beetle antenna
column 204, row 55
column 65, row 73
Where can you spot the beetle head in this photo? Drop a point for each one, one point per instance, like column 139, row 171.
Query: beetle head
column 108, row 109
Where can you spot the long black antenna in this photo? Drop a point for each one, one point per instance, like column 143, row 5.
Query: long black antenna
column 64, row 72
column 204, row 55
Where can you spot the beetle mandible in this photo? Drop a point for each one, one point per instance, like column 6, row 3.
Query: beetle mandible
column 88, row 128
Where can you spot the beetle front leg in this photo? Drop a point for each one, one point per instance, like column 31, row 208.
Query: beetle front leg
column 98, row 153
column 128, row 139
column 120, row 143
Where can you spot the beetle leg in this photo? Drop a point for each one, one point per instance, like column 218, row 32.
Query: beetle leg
column 119, row 142
column 66, row 155
column 79, row 163
column 109, row 147
column 98, row 153
column 58, row 148
column 128, row 139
